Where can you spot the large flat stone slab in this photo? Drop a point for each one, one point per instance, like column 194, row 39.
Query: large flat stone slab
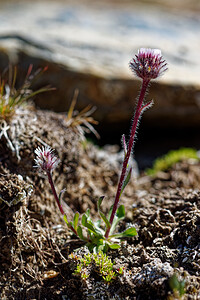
column 89, row 46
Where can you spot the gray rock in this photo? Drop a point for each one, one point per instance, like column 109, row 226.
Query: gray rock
column 89, row 46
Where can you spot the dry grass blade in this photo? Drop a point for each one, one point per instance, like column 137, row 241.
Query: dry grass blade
column 82, row 120
column 72, row 106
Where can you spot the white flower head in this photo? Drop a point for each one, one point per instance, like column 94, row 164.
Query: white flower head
column 45, row 159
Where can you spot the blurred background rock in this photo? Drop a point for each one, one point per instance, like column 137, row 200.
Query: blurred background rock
column 87, row 46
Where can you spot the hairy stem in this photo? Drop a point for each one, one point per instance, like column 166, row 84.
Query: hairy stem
column 57, row 200
column 130, row 146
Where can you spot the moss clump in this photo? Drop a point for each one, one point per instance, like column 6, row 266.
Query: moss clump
column 97, row 262
column 165, row 162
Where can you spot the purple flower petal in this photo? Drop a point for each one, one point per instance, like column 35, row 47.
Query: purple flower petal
column 148, row 64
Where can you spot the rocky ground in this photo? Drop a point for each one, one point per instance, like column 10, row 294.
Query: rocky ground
column 35, row 242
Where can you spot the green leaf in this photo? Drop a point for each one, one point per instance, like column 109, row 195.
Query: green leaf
column 114, row 246
column 105, row 219
column 177, row 285
column 100, row 248
column 120, row 212
column 87, row 213
column 84, row 220
column 65, row 219
column 102, row 214
column 91, row 228
column 100, row 242
column 110, row 212
column 130, row 232
column 76, row 217
column 126, row 181
column 87, row 224
column 99, row 202
column 97, row 224
column 182, row 288
column 174, row 282
column 80, row 233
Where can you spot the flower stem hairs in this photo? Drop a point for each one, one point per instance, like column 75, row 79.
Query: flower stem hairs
column 148, row 64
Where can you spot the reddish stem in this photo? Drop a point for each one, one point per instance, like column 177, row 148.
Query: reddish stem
column 57, row 199
column 54, row 192
column 130, row 146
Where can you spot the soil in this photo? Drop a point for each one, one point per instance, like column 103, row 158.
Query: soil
column 35, row 242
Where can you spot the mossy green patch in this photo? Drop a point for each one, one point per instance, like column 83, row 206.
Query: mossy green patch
column 100, row 262
column 165, row 162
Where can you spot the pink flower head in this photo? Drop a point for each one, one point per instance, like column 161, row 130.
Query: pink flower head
column 45, row 159
column 148, row 64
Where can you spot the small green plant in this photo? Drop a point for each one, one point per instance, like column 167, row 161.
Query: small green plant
column 100, row 235
column 99, row 262
column 165, row 162
column 177, row 286
column 10, row 97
